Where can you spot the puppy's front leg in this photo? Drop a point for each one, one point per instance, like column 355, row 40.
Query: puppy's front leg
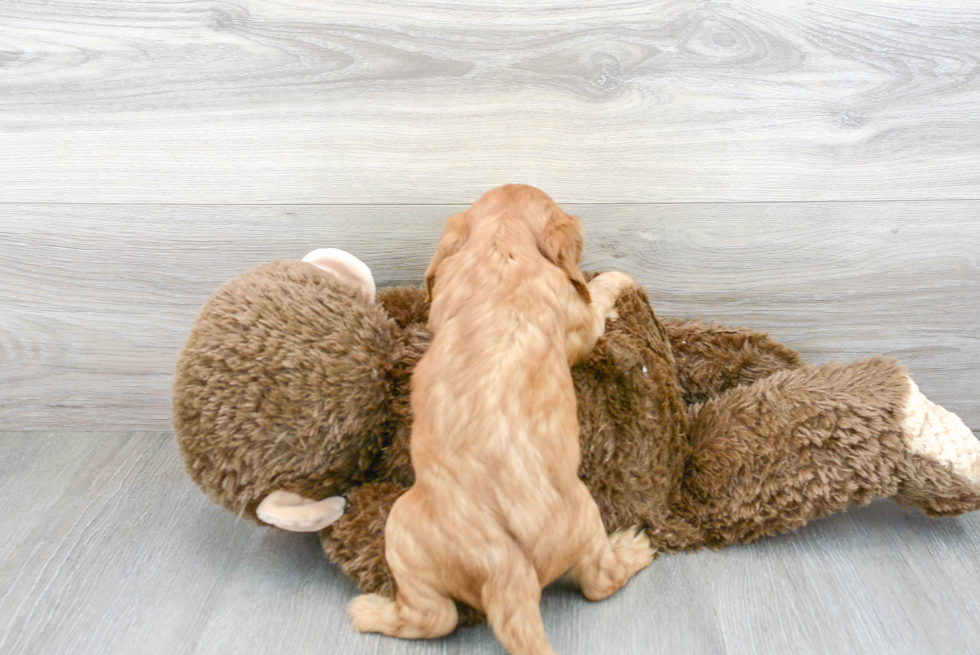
column 605, row 289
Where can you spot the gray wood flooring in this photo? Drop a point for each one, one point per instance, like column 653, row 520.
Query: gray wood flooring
column 807, row 168
column 109, row 548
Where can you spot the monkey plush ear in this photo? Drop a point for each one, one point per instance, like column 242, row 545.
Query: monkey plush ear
column 561, row 244
column 346, row 267
column 453, row 237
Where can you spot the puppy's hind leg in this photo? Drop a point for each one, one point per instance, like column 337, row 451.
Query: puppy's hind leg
column 420, row 610
column 416, row 613
column 608, row 562
column 512, row 600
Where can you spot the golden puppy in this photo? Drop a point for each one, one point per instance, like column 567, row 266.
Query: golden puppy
column 497, row 510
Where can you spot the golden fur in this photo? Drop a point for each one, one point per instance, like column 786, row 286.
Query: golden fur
column 497, row 509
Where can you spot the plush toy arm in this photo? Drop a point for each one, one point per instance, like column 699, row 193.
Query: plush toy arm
column 711, row 359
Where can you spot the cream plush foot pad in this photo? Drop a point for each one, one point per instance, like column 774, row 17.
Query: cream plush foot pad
column 934, row 432
column 292, row 512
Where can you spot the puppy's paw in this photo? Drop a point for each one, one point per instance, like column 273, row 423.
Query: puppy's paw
column 613, row 281
column 371, row 613
column 605, row 288
column 632, row 549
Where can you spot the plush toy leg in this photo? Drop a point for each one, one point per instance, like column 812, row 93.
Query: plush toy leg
column 711, row 359
column 800, row 444
column 292, row 512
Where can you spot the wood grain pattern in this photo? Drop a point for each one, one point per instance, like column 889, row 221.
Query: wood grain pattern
column 109, row 548
column 279, row 101
column 98, row 299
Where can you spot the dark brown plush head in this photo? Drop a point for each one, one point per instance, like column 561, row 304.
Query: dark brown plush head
column 285, row 383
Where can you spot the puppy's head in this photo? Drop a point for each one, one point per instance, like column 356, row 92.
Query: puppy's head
column 558, row 235
column 453, row 237
column 561, row 243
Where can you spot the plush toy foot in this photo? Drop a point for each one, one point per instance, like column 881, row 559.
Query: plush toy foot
column 292, row 512
column 345, row 266
column 938, row 434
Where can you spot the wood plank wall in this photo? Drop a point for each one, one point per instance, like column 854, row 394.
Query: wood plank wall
column 812, row 169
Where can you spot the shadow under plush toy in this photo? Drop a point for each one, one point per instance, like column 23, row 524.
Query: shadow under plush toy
column 291, row 404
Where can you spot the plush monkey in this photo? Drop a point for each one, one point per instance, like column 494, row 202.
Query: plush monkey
column 291, row 405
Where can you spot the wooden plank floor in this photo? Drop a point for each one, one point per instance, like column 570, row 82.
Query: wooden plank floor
column 118, row 552
column 807, row 168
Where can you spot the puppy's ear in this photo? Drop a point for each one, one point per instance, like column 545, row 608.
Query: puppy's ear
column 561, row 243
column 453, row 237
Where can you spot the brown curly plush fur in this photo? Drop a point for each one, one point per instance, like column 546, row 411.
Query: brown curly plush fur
column 711, row 358
column 705, row 435
column 247, row 383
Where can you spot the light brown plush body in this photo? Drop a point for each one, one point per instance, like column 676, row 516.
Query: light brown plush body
column 497, row 509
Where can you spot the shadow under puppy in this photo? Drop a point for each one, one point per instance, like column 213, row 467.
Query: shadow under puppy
column 497, row 510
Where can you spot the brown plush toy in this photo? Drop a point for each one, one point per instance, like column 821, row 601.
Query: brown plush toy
column 291, row 404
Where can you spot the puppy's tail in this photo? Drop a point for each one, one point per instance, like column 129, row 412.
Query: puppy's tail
column 512, row 601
